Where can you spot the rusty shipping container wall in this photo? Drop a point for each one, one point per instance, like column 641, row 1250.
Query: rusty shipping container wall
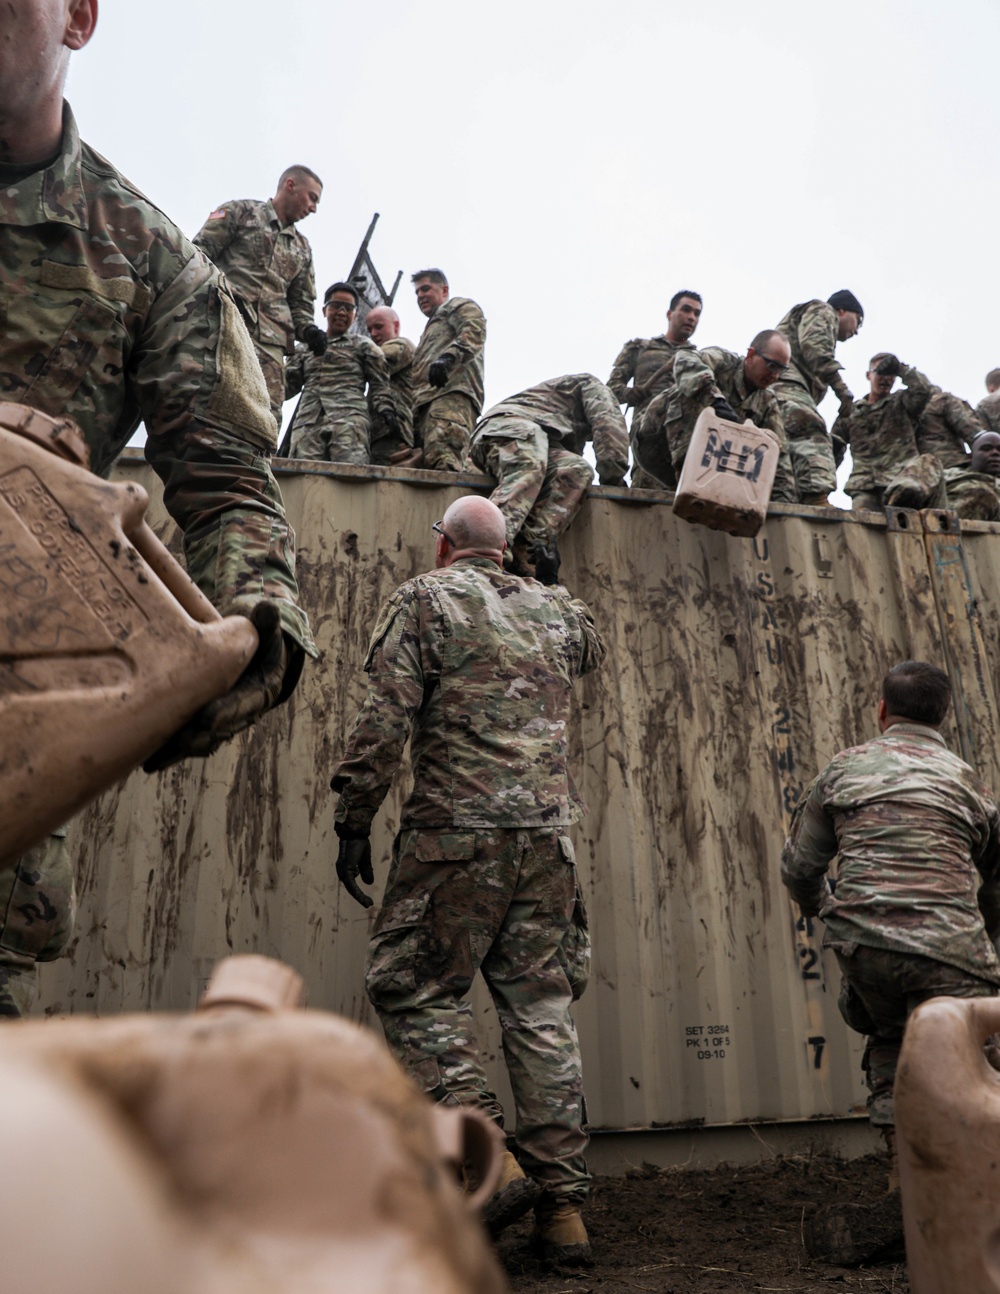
column 736, row 668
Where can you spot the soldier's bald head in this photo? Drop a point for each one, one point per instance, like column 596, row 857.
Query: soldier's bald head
column 382, row 323
column 473, row 522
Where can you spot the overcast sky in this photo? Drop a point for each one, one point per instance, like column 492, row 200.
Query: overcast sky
column 570, row 165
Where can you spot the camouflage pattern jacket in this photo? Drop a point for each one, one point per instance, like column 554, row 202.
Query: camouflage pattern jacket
column 988, row 412
column 944, row 428
column 478, row 665
column 975, row 496
column 458, row 327
column 399, row 353
column 572, row 410
column 649, row 363
column 269, row 266
column 702, row 376
column 919, row 842
column 110, row 317
column 811, row 329
column 335, row 381
column 883, row 435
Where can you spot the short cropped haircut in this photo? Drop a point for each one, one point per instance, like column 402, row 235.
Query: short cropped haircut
column 918, row 691
column 340, row 287
column 883, row 354
column 435, row 276
column 993, row 378
column 685, row 292
column 298, row 172
column 764, row 337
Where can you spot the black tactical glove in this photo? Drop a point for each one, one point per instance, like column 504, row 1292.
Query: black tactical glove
column 846, row 399
column 725, row 410
column 888, row 366
column 268, row 679
column 547, row 561
column 354, row 860
column 389, row 419
column 315, row 339
column 438, row 372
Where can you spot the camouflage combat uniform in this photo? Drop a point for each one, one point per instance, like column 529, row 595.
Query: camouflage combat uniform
column 110, row 316
column 443, row 417
column 649, row 364
column 532, row 446
column 888, row 467
column 702, row 376
column 398, row 352
column 918, row 835
column 988, row 411
column 332, row 421
column 945, row 427
column 478, row 665
column 811, row 330
column 269, row 267
column 975, row 496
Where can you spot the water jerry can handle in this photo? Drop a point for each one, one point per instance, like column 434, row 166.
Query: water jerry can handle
column 169, row 572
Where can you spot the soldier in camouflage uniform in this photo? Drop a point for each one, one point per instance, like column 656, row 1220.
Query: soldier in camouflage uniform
column 917, row 899
column 737, row 387
column 532, row 445
column 881, row 430
column 332, row 422
column 111, row 318
column 447, row 372
column 813, row 330
column 974, row 487
column 269, row 267
column 649, row 364
column 465, row 660
column 945, row 427
column 382, row 324
column 988, row 409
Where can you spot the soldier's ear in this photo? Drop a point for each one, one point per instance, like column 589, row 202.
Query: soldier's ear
column 81, row 19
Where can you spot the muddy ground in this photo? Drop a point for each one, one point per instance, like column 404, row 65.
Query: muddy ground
column 673, row 1231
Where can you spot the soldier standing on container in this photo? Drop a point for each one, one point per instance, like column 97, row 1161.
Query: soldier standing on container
column 447, row 372
column 465, row 661
column 737, row 387
column 382, row 324
column 157, row 337
column 532, row 445
column 813, row 330
column 974, row 487
column 332, row 422
column 917, row 899
column 945, row 427
column 269, row 266
column 649, row 364
column 888, row 469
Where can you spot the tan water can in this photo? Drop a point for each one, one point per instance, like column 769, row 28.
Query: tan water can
column 107, row 647
column 947, row 1109
column 727, row 476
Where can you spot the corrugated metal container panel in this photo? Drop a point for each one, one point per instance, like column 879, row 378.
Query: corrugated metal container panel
column 735, row 669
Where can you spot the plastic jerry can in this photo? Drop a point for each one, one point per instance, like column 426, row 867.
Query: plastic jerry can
column 727, row 476
column 947, row 1110
column 107, row 647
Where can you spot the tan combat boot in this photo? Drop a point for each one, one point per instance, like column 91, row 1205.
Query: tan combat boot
column 513, row 1197
column 560, row 1235
column 817, row 501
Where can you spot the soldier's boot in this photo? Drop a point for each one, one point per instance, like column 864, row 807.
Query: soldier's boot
column 515, row 1194
column 559, row 1235
column 892, row 1182
column 412, row 456
column 817, row 501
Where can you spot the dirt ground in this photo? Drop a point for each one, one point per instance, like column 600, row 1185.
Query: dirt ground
column 731, row 1228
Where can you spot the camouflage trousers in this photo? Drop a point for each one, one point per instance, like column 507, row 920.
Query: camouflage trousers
column 504, row 902
column 809, row 443
column 650, row 447
column 37, row 913
column 272, row 365
column 443, row 428
column 918, row 484
column 879, row 990
column 386, row 443
column 972, row 495
column 540, row 485
column 333, row 440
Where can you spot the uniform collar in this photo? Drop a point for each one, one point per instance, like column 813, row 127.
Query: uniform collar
column 275, row 220
column 54, row 195
column 914, row 730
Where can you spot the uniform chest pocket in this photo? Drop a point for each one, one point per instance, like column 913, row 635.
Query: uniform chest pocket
column 287, row 262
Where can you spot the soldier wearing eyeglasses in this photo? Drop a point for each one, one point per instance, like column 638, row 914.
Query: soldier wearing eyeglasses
column 333, row 422
column 737, row 387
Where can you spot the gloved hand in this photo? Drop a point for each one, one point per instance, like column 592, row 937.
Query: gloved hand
column 354, row 860
column 315, row 339
column 725, row 410
column 256, row 691
column 438, row 372
column 846, row 401
column 389, row 419
column 888, row 366
column 547, row 562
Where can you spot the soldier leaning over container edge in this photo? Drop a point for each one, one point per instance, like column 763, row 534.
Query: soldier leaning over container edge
column 113, row 317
